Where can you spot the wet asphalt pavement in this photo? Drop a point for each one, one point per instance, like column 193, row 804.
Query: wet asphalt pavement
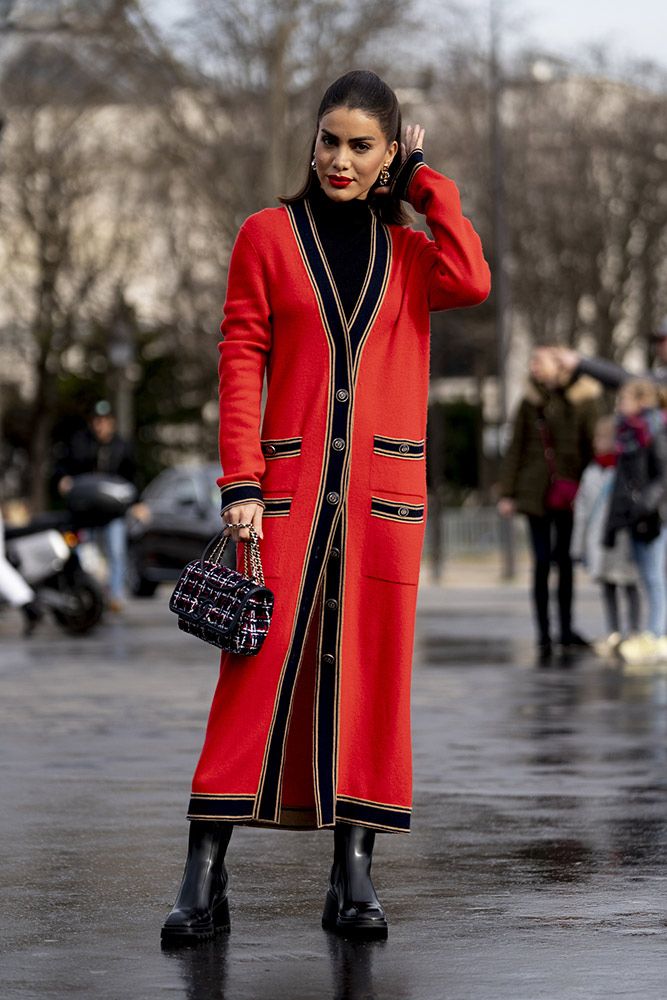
column 537, row 866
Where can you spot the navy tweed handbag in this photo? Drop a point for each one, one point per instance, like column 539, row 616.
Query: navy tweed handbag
column 226, row 608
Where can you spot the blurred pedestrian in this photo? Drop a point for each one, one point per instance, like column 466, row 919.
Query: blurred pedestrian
column 608, row 372
column 639, row 503
column 330, row 296
column 15, row 591
column 100, row 448
column 612, row 568
column 552, row 443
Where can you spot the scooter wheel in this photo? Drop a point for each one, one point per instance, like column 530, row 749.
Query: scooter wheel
column 90, row 607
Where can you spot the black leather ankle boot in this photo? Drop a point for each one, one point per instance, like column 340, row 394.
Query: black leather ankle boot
column 351, row 908
column 201, row 909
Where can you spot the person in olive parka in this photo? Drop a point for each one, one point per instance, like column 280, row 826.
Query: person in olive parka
column 557, row 415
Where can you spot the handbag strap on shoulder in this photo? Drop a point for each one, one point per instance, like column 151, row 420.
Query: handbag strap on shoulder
column 547, row 443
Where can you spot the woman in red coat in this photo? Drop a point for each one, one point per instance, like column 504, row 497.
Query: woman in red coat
column 328, row 297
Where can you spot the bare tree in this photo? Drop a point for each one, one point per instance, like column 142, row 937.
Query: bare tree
column 588, row 202
column 69, row 205
column 243, row 132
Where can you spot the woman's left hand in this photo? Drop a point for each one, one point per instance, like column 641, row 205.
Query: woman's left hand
column 414, row 139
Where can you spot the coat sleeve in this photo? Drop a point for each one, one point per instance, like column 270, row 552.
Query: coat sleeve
column 513, row 455
column 247, row 333
column 605, row 371
column 452, row 264
column 655, row 491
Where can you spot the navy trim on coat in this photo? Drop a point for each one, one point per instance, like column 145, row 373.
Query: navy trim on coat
column 398, row 448
column 397, row 510
column 221, row 807
column 237, row 493
column 345, row 342
column 373, row 814
column 281, row 448
column 277, row 506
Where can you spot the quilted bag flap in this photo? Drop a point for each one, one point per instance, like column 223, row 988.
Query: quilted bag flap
column 209, row 593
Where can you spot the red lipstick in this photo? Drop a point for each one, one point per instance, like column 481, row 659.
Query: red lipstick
column 337, row 181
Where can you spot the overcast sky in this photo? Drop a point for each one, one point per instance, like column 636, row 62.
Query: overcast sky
column 633, row 28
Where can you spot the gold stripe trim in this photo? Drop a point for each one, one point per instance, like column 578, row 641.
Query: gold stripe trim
column 375, row 826
column 372, row 802
column 309, row 547
column 379, row 438
column 399, row 503
column 353, row 369
column 402, row 458
column 396, row 517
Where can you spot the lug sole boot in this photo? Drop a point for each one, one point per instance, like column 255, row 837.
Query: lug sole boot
column 351, row 907
column 201, row 909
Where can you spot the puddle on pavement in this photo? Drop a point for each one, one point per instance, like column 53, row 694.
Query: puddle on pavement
column 438, row 651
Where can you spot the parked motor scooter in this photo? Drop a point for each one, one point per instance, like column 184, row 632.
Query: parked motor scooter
column 45, row 551
column 45, row 554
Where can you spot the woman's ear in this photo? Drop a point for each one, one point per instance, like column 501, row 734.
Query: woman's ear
column 392, row 149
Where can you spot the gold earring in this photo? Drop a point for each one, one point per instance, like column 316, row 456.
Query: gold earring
column 384, row 175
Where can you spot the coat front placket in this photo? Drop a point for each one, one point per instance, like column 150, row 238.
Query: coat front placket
column 324, row 565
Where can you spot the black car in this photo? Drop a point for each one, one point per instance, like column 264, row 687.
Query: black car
column 184, row 507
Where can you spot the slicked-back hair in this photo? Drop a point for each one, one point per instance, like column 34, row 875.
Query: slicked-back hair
column 362, row 90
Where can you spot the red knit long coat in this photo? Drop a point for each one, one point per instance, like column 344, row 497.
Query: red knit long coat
column 316, row 728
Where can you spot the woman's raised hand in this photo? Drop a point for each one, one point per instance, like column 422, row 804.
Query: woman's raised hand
column 414, row 139
column 243, row 513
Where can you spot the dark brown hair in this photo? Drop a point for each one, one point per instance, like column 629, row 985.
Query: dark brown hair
column 362, row 90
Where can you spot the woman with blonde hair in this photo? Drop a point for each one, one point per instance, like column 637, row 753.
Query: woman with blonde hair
column 614, row 569
column 639, row 502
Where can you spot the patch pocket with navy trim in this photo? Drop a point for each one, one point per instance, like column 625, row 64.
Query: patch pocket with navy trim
column 398, row 463
column 276, row 506
column 276, row 527
column 398, row 447
column 283, row 462
column 394, row 539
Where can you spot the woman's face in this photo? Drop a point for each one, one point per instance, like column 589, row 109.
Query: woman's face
column 628, row 403
column 544, row 367
column 350, row 151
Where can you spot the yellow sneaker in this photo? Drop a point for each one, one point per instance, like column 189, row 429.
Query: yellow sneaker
column 639, row 650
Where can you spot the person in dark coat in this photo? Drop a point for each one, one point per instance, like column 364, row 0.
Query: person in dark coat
column 553, row 434
column 639, row 502
column 100, row 448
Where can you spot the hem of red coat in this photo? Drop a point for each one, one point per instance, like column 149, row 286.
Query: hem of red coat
column 359, row 812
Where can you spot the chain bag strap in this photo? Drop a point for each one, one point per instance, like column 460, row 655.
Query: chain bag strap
column 252, row 559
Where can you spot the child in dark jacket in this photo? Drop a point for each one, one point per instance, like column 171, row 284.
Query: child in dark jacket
column 639, row 502
column 613, row 568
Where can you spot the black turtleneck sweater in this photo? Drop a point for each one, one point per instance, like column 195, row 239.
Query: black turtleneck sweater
column 345, row 231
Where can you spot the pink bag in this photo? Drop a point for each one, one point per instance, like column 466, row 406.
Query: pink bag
column 562, row 491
